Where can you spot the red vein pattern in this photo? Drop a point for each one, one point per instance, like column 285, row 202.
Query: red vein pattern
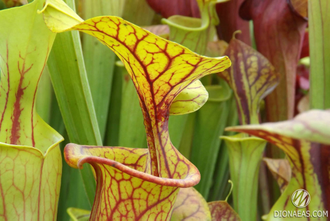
column 29, row 177
column 30, row 158
column 29, row 184
column 222, row 211
column 124, row 190
column 252, row 77
column 160, row 70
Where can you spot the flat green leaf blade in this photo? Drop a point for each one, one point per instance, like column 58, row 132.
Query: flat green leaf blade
column 99, row 61
column 209, row 125
column 69, row 78
column 319, row 26
column 77, row 107
column 221, row 172
column 131, row 128
column 113, row 123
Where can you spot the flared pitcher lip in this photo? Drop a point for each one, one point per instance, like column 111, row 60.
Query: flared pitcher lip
column 190, row 180
column 31, row 148
column 56, row 137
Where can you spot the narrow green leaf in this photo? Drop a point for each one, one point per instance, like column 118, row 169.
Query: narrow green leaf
column 99, row 61
column 319, row 34
column 112, row 132
column 178, row 129
column 183, row 133
column 131, row 129
column 220, row 186
column 209, row 126
column 69, row 78
column 56, row 120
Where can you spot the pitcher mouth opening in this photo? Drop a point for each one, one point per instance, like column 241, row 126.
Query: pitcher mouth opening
column 190, row 180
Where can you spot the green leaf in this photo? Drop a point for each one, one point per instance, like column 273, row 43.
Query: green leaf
column 69, row 78
column 181, row 130
column 131, row 128
column 319, row 26
column 112, row 132
column 221, row 172
column 72, row 189
column 100, row 62
column 210, row 123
